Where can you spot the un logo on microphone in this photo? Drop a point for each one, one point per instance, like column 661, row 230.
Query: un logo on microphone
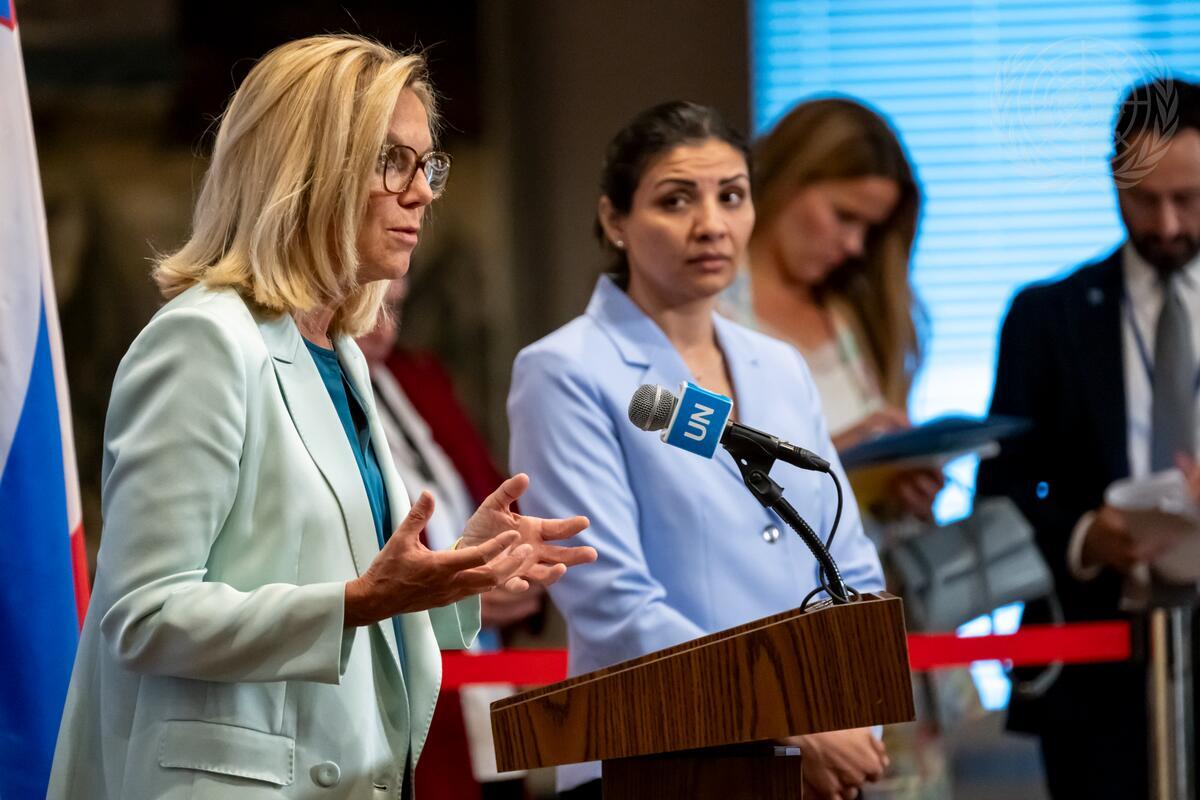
column 698, row 421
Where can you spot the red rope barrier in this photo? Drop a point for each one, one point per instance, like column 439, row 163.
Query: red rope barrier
column 1077, row 643
column 525, row 667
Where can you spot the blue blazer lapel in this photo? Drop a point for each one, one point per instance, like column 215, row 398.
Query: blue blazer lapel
column 642, row 343
column 753, row 403
column 749, row 383
column 639, row 340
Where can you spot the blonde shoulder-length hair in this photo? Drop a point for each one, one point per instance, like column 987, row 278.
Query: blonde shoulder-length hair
column 838, row 138
column 285, row 193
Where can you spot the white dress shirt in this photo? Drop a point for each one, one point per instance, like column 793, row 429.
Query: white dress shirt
column 1139, row 319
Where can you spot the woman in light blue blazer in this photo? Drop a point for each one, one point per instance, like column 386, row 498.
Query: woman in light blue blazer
column 685, row 550
column 265, row 621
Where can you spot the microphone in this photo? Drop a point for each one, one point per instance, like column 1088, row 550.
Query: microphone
column 701, row 420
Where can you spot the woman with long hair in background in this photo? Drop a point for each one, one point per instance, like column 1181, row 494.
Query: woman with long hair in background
column 830, row 272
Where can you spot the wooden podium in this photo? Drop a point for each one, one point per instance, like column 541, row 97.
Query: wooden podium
column 699, row 720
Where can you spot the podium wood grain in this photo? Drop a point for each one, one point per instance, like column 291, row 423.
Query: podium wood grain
column 740, row 772
column 829, row 668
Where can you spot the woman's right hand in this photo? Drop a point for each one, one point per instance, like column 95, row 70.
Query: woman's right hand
column 837, row 763
column 911, row 491
column 407, row 576
column 916, row 490
column 885, row 420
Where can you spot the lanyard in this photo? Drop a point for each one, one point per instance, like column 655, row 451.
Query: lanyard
column 1143, row 352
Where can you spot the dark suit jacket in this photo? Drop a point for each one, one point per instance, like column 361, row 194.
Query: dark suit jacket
column 1060, row 365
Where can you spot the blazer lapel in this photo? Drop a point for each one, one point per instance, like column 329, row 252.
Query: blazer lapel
column 637, row 338
column 643, row 344
column 422, row 676
column 753, row 406
column 317, row 422
column 359, row 375
column 1096, row 331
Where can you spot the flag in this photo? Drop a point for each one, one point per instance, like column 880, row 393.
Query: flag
column 43, row 569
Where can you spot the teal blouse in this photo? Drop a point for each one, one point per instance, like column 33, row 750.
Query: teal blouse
column 352, row 412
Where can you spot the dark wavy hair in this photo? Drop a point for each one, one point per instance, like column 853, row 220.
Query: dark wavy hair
column 647, row 136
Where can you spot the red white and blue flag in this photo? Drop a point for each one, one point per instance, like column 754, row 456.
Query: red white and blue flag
column 43, row 570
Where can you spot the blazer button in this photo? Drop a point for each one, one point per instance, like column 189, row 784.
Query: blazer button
column 326, row 774
column 770, row 534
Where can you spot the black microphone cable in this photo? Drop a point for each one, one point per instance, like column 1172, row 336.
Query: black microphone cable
column 822, row 575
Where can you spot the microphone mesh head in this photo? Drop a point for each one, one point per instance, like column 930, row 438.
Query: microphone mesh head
column 651, row 406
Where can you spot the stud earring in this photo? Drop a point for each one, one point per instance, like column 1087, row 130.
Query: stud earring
column 620, row 244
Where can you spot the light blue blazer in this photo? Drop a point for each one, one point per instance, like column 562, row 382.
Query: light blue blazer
column 681, row 543
column 213, row 661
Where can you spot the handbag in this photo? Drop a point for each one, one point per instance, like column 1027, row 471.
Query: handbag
column 952, row 574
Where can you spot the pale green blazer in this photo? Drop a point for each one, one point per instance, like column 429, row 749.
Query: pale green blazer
column 213, row 662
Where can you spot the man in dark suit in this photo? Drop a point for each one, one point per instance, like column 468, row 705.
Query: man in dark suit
column 1103, row 362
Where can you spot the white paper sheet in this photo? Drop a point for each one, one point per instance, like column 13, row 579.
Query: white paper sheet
column 1160, row 508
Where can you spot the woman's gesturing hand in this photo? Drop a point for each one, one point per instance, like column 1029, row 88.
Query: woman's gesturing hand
column 407, row 576
column 496, row 516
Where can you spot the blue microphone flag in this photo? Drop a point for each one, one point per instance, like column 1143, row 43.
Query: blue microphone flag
column 698, row 420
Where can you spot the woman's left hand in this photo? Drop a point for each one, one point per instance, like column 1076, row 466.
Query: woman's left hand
column 915, row 490
column 495, row 516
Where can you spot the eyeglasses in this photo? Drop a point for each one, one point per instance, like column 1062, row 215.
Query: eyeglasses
column 398, row 165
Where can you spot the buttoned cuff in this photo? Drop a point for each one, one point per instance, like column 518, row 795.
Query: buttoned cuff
column 1075, row 550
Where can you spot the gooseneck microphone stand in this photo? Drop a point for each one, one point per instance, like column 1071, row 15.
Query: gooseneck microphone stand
column 755, row 465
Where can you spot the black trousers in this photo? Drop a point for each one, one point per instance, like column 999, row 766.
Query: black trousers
column 1103, row 764
column 1093, row 730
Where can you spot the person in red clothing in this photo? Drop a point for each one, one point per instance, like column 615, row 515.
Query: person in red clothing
column 436, row 447
column 428, row 386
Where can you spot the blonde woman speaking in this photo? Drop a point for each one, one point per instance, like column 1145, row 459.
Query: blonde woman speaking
column 265, row 620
